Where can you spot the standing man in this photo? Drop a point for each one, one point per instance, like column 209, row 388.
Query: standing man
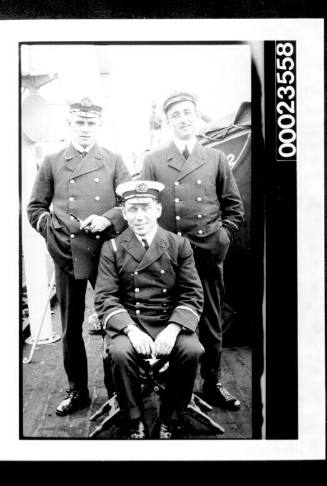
column 79, row 182
column 201, row 201
column 149, row 297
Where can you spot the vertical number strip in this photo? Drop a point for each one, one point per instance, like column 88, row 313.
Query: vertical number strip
column 285, row 100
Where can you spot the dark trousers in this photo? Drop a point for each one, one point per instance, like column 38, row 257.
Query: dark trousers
column 124, row 363
column 71, row 297
column 210, row 325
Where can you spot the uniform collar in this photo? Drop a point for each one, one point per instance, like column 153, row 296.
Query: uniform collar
column 175, row 160
column 180, row 144
column 81, row 149
column 93, row 160
column 132, row 245
column 149, row 237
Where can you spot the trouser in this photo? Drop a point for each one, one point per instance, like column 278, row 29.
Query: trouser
column 71, row 297
column 210, row 325
column 124, row 361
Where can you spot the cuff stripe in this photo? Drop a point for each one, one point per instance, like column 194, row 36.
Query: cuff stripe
column 189, row 309
column 118, row 311
column 39, row 221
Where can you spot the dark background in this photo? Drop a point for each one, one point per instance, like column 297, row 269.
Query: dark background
column 51, row 9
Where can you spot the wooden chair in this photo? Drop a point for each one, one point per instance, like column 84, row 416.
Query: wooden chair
column 151, row 373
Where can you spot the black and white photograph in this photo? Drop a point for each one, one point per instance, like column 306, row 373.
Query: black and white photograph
column 169, row 291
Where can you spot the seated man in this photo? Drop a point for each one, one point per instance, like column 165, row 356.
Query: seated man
column 149, row 297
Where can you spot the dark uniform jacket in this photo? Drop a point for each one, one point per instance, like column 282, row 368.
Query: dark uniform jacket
column 82, row 187
column 200, row 198
column 148, row 289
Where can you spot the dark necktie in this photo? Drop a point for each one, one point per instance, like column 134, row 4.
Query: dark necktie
column 145, row 244
column 186, row 152
column 83, row 154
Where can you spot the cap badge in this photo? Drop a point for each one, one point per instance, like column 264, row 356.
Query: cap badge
column 86, row 102
column 142, row 187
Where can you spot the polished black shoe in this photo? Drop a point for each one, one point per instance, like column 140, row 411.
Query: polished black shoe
column 73, row 401
column 216, row 394
column 137, row 430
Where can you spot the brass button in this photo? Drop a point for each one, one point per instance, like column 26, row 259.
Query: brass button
column 199, row 199
column 97, row 198
column 176, row 200
column 97, row 237
column 136, row 273
column 178, row 218
column 200, row 232
column 179, row 233
column 199, row 216
column 199, row 181
column 138, row 311
column 176, row 183
column 72, row 181
column 71, row 199
column 164, row 291
column 96, row 179
column 137, row 289
column 162, row 272
column 137, row 304
column 72, row 236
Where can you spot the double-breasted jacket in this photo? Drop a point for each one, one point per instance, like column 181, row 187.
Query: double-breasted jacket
column 150, row 288
column 200, row 199
column 82, row 186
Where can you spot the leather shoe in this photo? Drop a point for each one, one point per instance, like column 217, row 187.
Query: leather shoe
column 165, row 430
column 137, row 430
column 73, row 401
column 217, row 394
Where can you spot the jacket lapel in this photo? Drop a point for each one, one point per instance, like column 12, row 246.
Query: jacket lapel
column 132, row 245
column 174, row 157
column 184, row 167
column 93, row 160
column 156, row 249
column 195, row 160
column 72, row 157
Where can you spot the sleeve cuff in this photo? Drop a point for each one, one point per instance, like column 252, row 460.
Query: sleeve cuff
column 185, row 316
column 230, row 225
column 39, row 220
column 118, row 311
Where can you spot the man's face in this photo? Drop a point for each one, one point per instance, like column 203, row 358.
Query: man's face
column 84, row 130
column 142, row 216
column 183, row 119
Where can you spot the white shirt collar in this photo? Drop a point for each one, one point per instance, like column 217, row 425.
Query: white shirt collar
column 149, row 237
column 180, row 144
column 81, row 149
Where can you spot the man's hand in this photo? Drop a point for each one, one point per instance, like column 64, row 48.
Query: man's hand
column 140, row 340
column 165, row 341
column 95, row 223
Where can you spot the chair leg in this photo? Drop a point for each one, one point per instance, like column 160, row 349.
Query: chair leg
column 201, row 403
column 114, row 409
column 195, row 411
column 105, row 407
